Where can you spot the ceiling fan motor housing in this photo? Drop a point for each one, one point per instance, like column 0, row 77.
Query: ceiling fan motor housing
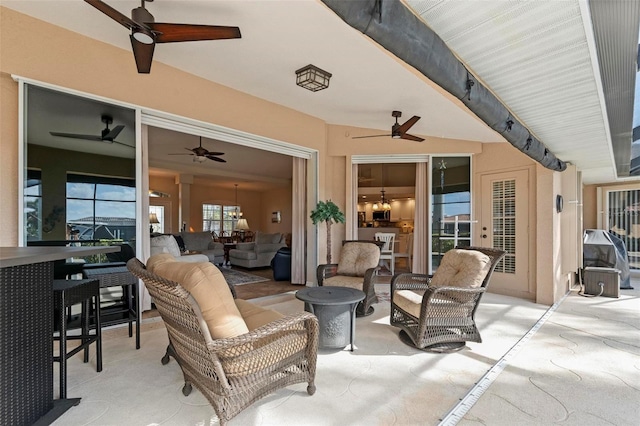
column 140, row 14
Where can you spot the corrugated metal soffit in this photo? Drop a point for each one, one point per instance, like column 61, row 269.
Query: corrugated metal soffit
column 397, row 29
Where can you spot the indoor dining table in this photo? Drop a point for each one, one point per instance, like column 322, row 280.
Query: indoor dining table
column 26, row 332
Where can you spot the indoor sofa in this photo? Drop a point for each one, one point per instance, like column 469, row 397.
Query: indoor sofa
column 257, row 254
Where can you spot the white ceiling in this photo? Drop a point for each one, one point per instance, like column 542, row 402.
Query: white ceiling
column 536, row 56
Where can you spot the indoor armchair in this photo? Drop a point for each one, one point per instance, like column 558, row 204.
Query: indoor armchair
column 356, row 268
column 257, row 254
column 437, row 313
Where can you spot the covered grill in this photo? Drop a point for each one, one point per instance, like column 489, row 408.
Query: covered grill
column 604, row 250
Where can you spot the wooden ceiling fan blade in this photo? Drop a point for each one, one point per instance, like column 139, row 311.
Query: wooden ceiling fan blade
column 123, row 20
column 76, row 136
column 180, row 154
column 215, row 153
column 170, row 33
column 114, row 133
column 411, row 137
column 143, row 54
column 407, row 124
column 219, row 160
column 370, row 136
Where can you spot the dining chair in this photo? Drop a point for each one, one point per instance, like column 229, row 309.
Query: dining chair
column 386, row 253
column 408, row 251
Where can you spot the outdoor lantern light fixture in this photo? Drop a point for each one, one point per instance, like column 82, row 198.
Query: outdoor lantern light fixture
column 312, row 78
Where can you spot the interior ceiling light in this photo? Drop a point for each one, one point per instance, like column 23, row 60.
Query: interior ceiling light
column 312, row 78
column 153, row 193
column 236, row 214
column 383, row 204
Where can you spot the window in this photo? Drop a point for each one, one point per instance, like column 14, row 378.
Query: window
column 33, row 204
column 451, row 201
column 503, row 202
column 218, row 218
column 101, row 207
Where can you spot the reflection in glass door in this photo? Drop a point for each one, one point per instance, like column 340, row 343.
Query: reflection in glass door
column 624, row 221
column 451, row 201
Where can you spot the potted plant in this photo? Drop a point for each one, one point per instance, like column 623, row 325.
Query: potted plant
column 329, row 213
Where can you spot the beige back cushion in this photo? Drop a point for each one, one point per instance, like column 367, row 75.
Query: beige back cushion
column 461, row 268
column 357, row 257
column 208, row 287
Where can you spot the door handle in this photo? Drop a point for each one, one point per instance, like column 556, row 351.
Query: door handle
column 484, row 235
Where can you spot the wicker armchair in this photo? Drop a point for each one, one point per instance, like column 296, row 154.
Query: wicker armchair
column 233, row 373
column 357, row 269
column 441, row 318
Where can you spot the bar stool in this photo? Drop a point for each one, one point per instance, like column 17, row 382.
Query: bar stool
column 66, row 294
column 128, row 309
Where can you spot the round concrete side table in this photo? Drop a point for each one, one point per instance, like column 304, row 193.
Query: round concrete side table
column 335, row 308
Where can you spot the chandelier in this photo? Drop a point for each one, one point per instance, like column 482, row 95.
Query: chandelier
column 237, row 213
column 383, row 204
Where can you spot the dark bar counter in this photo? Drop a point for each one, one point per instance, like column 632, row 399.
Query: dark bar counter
column 26, row 333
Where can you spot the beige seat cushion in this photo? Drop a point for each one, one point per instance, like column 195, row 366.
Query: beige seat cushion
column 208, row 287
column 461, row 268
column 409, row 301
column 256, row 316
column 345, row 281
column 356, row 258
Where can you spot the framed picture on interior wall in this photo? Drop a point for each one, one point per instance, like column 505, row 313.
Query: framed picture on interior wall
column 275, row 217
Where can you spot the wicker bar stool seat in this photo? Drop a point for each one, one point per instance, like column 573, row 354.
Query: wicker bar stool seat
column 68, row 293
column 125, row 310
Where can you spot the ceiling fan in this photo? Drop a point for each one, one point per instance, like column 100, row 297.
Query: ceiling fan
column 201, row 154
column 107, row 134
column 145, row 32
column 399, row 131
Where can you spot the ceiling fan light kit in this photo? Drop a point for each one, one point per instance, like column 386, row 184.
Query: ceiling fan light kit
column 312, row 78
column 145, row 32
column 202, row 154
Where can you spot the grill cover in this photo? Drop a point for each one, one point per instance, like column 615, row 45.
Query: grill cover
column 605, row 250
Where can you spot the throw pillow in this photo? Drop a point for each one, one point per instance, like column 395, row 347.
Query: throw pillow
column 357, row 257
column 461, row 268
column 180, row 242
column 208, row 287
column 165, row 244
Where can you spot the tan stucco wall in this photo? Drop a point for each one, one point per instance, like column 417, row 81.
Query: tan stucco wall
column 590, row 206
column 40, row 51
column 257, row 206
column 271, row 201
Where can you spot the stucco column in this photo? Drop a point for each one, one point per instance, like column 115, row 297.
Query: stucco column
column 184, row 201
column 549, row 276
